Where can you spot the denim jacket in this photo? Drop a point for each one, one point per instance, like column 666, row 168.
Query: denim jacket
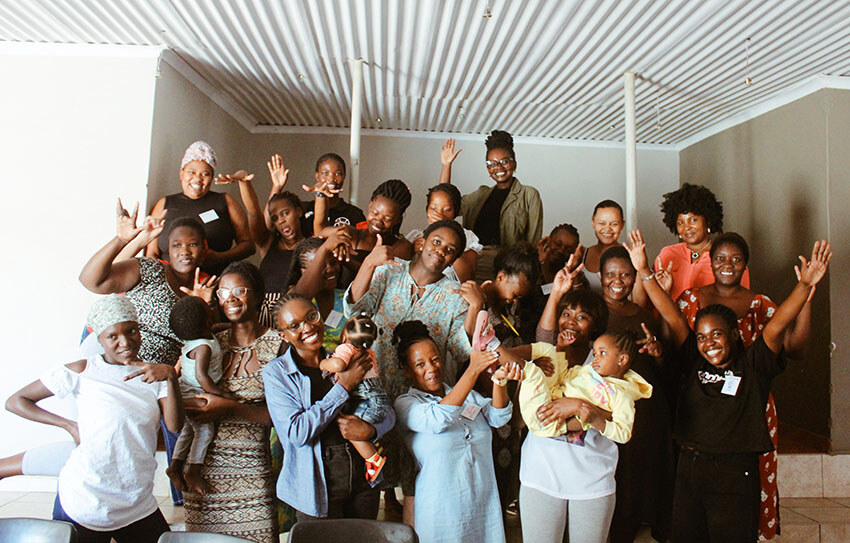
column 299, row 424
column 521, row 218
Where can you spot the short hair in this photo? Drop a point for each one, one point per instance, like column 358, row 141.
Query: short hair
column 694, row 199
column 282, row 301
column 407, row 334
column 304, row 247
column 186, row 222
column 592, row 304
column 520, row 258
column 730, row 319
column 627, row 342
column 565, row 227
column 251, row 274
column 730, row 238
column 360, row 331
column 287, row 196
column 188, row 318
column 452, row 191
column 499, row 139
column 609, row 203
column 617, row 251
column 331, row 156
column 452, row 225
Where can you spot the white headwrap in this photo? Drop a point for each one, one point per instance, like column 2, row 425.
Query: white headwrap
column 111, row 310
column 200, row 150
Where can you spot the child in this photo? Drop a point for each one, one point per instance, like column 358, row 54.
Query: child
column 200, row 371
column 607, row 383
column 106, row 487
column 369, row 400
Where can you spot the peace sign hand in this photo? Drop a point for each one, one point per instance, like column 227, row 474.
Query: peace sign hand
column 650, row 344
column 125, row 224
column 202, row 289
column 563, row 281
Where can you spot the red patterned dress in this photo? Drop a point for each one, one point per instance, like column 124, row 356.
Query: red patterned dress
column 759, row 313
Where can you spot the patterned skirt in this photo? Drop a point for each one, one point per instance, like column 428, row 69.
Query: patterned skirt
column 238, row 470
column 769, row 513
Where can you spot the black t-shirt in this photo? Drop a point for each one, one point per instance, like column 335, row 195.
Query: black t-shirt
column 211, row 211
column 319, row 387
column 714, row 422
column 275, row 268
column 343, row 213
column 487, row 224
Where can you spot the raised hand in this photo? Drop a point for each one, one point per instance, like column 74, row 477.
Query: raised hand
column 202, row 289
column 235, row 177
column 322, row 187
column 578, row 257
column 637, row 250
column 481, row 361
column 811, row 292
column 563, row 281
column 381, row 254
column 471, row 292
column 650, row 344
column 125, row 224
column 278, row 172
column 448, row 153
column 509, row 371
column 813, row 270
column 543, row 249
column 664, row 276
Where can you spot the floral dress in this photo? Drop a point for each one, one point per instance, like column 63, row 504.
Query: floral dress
column 750, row 326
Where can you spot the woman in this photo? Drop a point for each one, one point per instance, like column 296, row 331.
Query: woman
column 448, row 431
column 443, row 202
column 554, row 250
column 645, row 468
column 502, row 214
column 729, row 255
column 223, row 219
column 573, row 474
column 322, row 474
column 330, row 178
column 692, row 213
column 276, row 242
column 241, row 506
column 608, row 222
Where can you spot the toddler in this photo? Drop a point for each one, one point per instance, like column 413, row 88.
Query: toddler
column 200, row 371
column 607, row 383
column 369, row 400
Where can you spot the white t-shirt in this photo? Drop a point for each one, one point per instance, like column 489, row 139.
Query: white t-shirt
column 568, row 471
column 107, row 482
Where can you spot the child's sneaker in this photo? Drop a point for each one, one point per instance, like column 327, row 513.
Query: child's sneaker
column 374, row 464
column 484, row 333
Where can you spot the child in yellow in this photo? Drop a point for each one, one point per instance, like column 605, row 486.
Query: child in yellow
column 607, row 383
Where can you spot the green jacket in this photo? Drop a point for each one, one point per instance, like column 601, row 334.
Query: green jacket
column 521, row 218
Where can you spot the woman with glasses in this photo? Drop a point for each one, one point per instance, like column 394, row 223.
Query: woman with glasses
column 502, row 214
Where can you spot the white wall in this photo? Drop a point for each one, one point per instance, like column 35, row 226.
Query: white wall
column 76, row 134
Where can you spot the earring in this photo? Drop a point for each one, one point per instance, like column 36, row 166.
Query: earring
column 709, row 230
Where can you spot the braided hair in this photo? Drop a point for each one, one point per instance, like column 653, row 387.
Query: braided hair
column 407, row 334
column 304, row 247
column 565, row 227
column 694, row 199
column 287, row 196
column 396, row 191
column 499, row 139
column 627, row 343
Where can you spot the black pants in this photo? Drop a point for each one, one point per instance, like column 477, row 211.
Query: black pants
column 716, row 498
column 349, row 493
column 146, row 530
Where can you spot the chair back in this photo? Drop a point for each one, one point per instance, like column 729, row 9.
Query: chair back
column 199, row 537
column 36, row 530
column 352, row 531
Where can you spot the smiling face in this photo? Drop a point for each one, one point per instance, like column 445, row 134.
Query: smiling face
column 574, row 327
column 608, row 360
column 618, row 280
column 715, row 341
column 424, row 367
column 286, row 219
column 439, row 250
column 728, row 264
column 561, row 245
column 692, row 229
column 185, row 249
column 330, row 271
column 121, row 342
column 607, row 225
column 237, row 304
column 300, row 324
column 332, row 172
column 196, row 179
column 440, row 207
column 384, row 214
column 503, row 171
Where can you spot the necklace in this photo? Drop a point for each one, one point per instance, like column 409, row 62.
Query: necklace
column 695, row 254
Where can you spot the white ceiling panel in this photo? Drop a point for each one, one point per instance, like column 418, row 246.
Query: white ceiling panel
column 537, row 68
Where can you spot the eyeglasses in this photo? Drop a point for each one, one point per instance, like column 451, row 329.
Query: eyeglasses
column 312, row 317
column 504, row 163
column 224, row 293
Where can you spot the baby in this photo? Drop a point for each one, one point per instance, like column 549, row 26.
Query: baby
column 200, row 363
column 607, row 383
column 369, row 400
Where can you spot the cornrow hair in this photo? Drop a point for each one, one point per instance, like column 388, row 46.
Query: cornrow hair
column 565, row 227
column 626, row 342
column 499, row 139
column 395, row 190
column 251, row 274
column 287, row 196
column 360, row 331
column 282, row 301
column 331, row 156
column 609, row 203
column 730, row 238
column 452, row 191
column 187, row 222
column 616, row 252
column 188, row 318
column 719, row 310
column 304, row 247
column 694, row 199
column 407, row 334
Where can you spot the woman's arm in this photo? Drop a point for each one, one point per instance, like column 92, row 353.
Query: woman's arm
column 381, row 254
column 172, row 405
column 202, row 355
column 561, row 284
column 244, row 246
column 208, row 407
column 279, row 175
column 471, row 293
column 447, row 156
column 151, row 229
column 797, row 337
column 465, row 265
column 479, row 361
column 152, row 249
column 260, row 233
column 100, row 275
column 403, row 249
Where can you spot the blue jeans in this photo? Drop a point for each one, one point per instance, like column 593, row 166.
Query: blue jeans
column 146, row 530
column 369, row 401
column 349, row 494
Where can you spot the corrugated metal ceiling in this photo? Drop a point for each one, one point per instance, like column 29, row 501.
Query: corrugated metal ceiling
column 541, row 68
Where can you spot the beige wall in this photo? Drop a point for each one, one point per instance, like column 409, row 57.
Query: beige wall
column 774, row 174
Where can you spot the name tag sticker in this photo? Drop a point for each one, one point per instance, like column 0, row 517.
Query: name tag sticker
column 333, row 318
column 730, row 387
column 547, row 289
column 470, row 411
column 208, row 216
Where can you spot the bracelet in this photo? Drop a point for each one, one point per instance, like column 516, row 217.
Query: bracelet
column 319, row 195
column 648, row 277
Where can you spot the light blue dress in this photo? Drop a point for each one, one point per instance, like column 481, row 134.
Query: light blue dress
column 457, row 499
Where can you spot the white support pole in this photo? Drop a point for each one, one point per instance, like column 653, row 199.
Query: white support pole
column 356, row 106
column 631, row 153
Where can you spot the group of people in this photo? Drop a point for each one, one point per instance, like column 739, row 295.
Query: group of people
column 482, row 368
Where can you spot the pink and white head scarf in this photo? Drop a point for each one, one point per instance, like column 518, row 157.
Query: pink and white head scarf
column 200, row 150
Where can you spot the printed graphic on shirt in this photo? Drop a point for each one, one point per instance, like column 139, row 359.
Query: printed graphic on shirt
column 706, row 377
column 342, row 221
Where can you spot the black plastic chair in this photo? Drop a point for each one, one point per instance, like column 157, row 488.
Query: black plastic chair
column 352, row 530
column 36, row 530
column 199, row 537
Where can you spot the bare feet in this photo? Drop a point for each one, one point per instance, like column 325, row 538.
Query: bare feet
column 194, row 481
column 175, row 473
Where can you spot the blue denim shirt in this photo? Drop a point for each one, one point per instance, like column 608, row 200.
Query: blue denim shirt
column 299, row 425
